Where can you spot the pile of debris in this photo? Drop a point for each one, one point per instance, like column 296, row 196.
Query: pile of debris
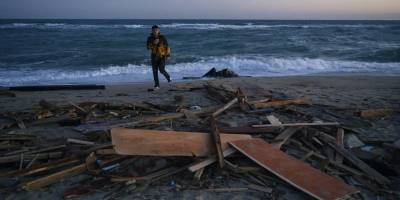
column 244, row 137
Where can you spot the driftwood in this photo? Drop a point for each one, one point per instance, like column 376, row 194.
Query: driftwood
column 57, row 87
column 278, row 103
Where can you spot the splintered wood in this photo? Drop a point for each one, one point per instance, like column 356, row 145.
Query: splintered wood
column 297, row 173
column 167, row 143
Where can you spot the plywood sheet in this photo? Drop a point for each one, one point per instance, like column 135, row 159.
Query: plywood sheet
column 295, row 172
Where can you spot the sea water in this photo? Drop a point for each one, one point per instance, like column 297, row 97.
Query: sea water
column 114, row 51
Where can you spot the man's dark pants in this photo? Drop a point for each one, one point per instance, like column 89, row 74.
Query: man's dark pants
column 158, row 63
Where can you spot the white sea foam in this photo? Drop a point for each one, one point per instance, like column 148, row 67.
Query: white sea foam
column 243, row 65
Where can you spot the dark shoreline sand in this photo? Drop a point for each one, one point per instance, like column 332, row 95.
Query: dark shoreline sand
column 361, row 91
column 344, row 94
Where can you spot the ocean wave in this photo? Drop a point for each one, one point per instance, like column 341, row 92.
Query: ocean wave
column 243, row 65
column 198, row 26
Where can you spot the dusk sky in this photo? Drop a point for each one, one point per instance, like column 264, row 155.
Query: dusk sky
column 201, row 9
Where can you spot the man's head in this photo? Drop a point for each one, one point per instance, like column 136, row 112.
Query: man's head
column 155, row 30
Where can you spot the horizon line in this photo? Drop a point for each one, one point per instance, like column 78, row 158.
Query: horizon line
column 237, row 19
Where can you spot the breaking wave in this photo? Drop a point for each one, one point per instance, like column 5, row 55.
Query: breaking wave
column 243, row 65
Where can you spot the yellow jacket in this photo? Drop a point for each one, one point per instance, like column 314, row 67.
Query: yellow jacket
column 161, row 49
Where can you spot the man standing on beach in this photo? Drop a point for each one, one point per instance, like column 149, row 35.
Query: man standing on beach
column 158, row 45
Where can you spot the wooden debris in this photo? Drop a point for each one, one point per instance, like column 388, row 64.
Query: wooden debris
column 360, row 164
column 83, row 142
column 217, row 141
column 79, row 108
column 278, row 103
column 375, row 113
column 293, row 171
column 73, row 171
column 167, row 143
column 210, row 160
column 40, row 156
column 340, row 144
column 43, row 167
column 225, row 107
column 53, row 178
column 48, row 106
column 284, row 136
column 273, row 120
column 298, row 124
column 219, row 94
column 249, row 130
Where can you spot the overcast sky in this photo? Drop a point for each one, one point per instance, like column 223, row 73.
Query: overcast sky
column 201, row 9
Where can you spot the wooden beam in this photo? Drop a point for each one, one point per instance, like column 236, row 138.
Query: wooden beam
column 297, row 173
column 249, row 130
column 40, row 156
column 298, row 124
column 360, row 164
column 42, row 167
column 217, row 141
column 167, row 143
column 73, row 171
column 210, row 160
column 284, row 136
column 339, row 143
column 278, row 103
column 225, row 107
column 53, row 178
column 83, row 142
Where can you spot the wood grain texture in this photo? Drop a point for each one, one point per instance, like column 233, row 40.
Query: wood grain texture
column 167, row 143
column 297, row 173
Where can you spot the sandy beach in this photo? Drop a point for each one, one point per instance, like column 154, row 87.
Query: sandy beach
column 334, row 98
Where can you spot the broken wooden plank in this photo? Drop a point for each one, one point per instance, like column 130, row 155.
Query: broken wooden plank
column 73, row 171
column 299, row 174
column 273, row 120
column 225, row 107
column 167, row 143
column 249, row 130
column 41, row 156
column 42, row 167
column 53, row 178
column 83, row 142
column 339, row 143
column 360, row 164
column 284, row 136
column 217, row 141
column 78, row 107
column 298, row 124
column 210, row 160
column 278, row 103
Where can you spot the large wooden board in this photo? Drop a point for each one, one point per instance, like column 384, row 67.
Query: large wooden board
column 167, row 143
column 295, row 172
